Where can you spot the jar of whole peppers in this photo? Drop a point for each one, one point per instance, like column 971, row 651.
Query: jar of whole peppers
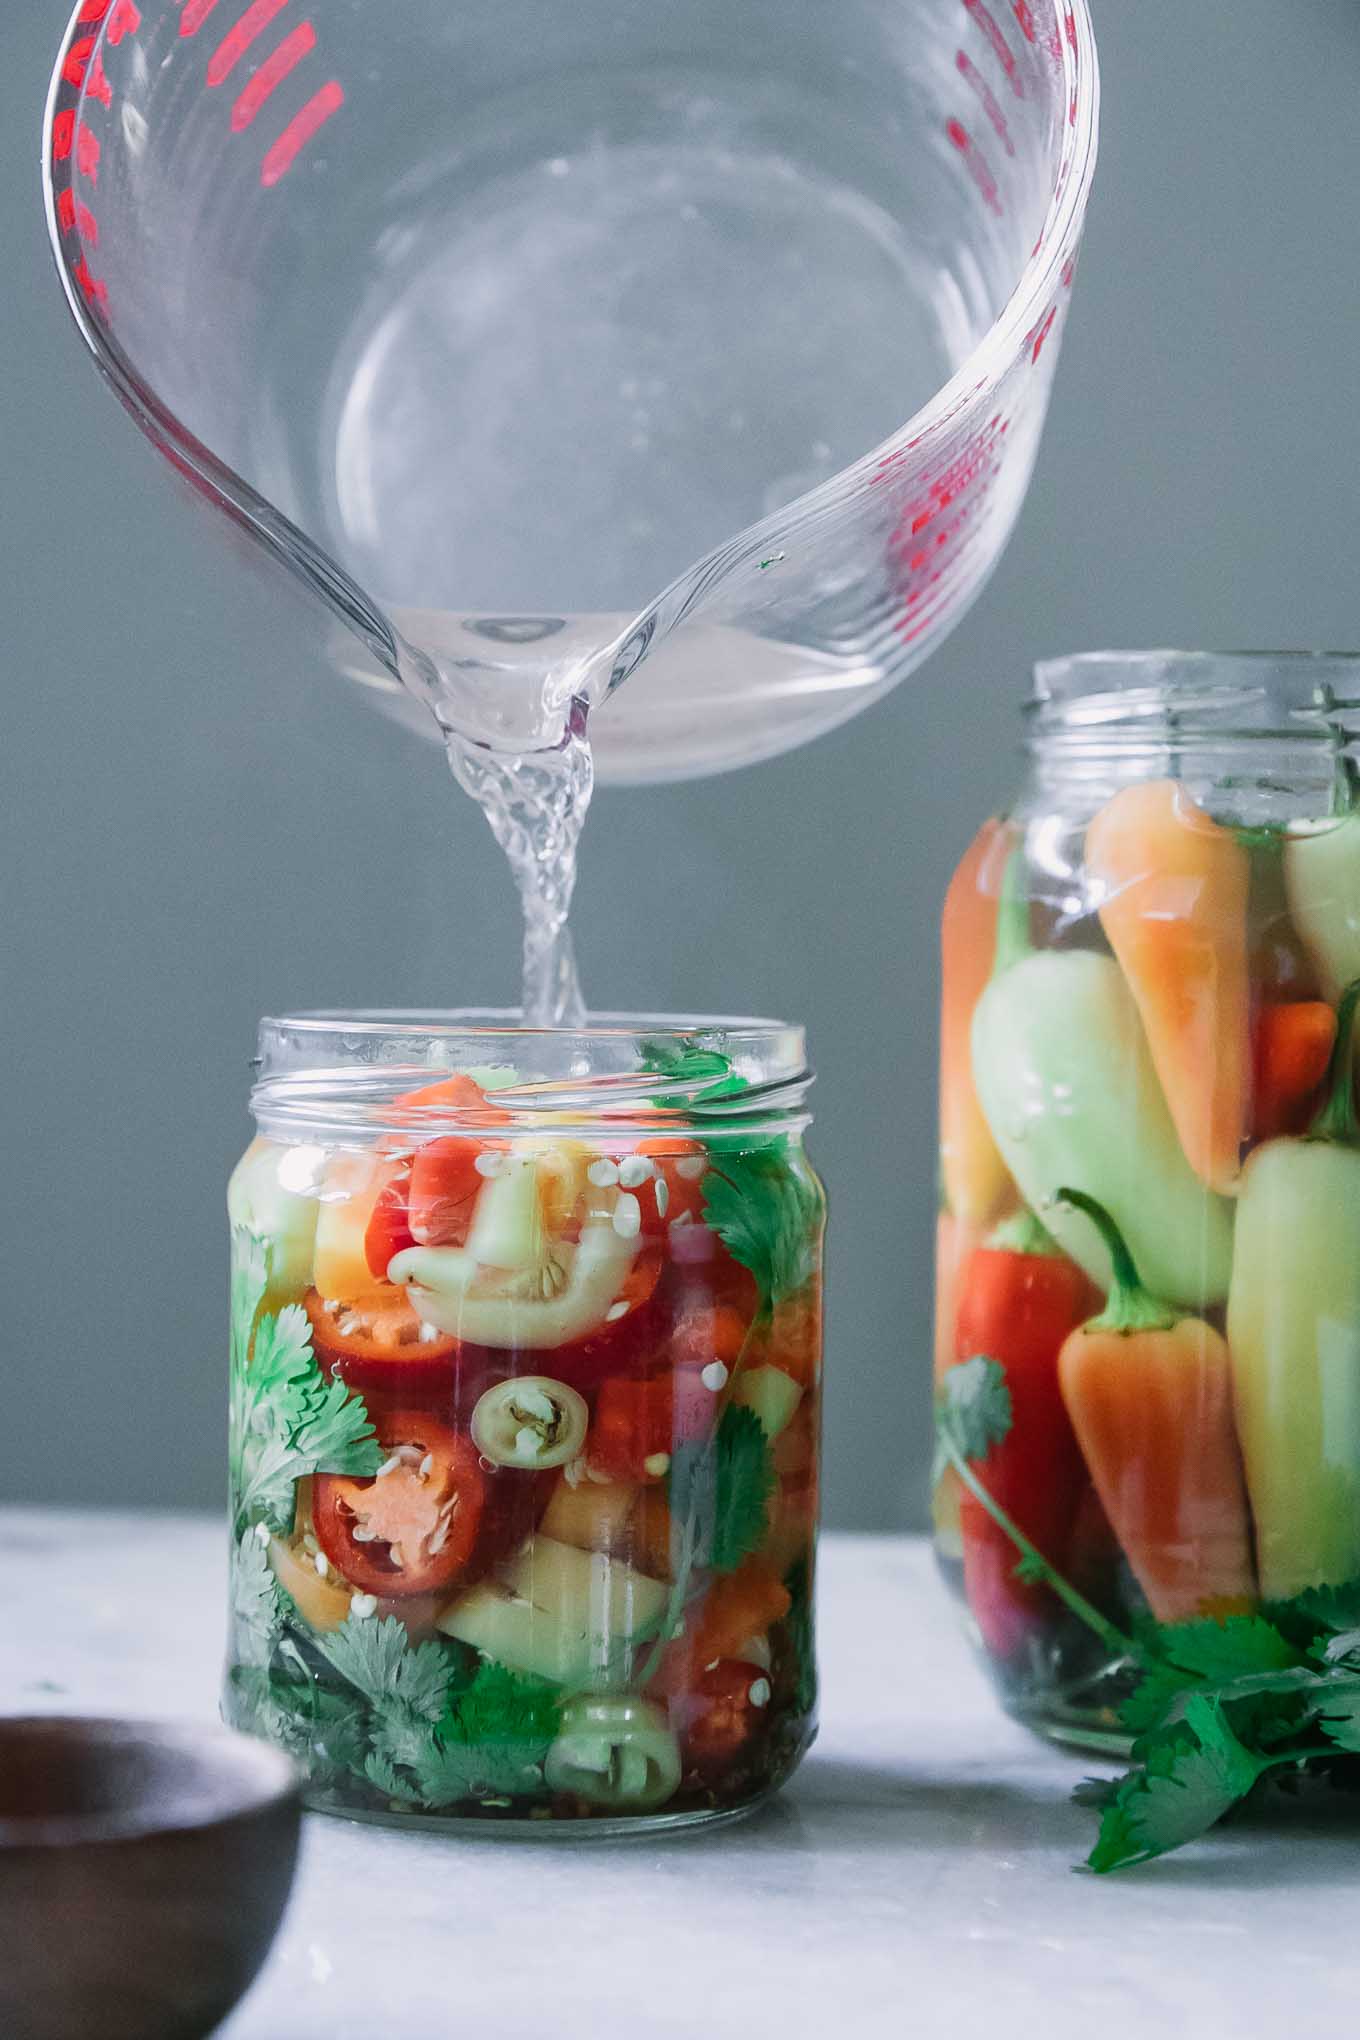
column 525, row 1385
column 1148, row 1336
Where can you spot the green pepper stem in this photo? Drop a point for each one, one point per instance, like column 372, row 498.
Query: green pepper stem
column 1023, row 1234
column 1130, row 1307
column 1113, row 1639
column 1337, row 1120
column 1013, row 943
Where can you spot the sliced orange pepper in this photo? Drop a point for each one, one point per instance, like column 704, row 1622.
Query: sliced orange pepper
column 792, row 1340
column 738, row 1606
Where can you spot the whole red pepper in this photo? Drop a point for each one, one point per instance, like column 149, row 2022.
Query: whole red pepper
column 1019, row 1297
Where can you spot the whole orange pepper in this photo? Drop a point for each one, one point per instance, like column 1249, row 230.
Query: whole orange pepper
column 1174, row 909
column 976, row 1182
column 1149, row 1391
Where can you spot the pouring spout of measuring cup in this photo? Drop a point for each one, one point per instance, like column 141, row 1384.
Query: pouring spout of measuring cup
column 493, row 324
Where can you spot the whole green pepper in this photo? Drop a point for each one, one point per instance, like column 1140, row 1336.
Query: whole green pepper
column 1322, row 879
column 1294, row 1333
column 1066, row 1083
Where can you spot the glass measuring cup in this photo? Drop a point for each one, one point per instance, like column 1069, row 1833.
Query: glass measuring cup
column 489, row 321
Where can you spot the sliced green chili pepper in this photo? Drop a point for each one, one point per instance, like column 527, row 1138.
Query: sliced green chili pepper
column 614, row 1752
column 530, row 1421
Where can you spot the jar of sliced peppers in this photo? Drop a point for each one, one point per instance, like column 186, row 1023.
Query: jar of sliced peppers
column 525, row 1374
column 1148, row 1332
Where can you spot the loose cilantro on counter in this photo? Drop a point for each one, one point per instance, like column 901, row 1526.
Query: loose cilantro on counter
column 1220, row 1708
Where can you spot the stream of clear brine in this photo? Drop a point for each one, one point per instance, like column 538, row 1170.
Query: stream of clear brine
column 537, row 803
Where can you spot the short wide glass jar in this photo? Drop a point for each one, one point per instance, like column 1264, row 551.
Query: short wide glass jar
column 1148, row 1335
column 525, row 1399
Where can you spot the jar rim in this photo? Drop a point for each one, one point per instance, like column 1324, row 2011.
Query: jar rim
column 1296, row 696
column 336, row 1074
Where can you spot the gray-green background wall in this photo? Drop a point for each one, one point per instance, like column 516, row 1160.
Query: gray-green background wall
column 201, row 825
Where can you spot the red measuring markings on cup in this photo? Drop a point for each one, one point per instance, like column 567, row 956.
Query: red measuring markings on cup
column 979, row 169
column 102, row 25
column 991, row 106
column 1005, row 55
column 298, row 43
column 925, row 545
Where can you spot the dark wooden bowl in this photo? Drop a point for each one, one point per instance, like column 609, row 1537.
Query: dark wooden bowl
column 144, row 1870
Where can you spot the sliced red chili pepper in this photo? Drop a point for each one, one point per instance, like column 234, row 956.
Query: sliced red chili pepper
column 389, row 1227
column 676, row 1191
column 623, row 1343
column 721, row 1715
column 377, row 1346
column 460, row 1094
column 445, row 1185
column 414, row 1527
column 639, row 1424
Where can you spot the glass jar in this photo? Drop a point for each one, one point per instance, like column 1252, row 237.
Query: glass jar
column 525, row 1401
column 1148, row 1330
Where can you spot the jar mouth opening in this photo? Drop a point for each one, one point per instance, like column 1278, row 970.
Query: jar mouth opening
column 1120, row 697
column 332, row 1075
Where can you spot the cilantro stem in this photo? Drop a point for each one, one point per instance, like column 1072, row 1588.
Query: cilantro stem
column 675, row 1607
column 1113, row 1639
column 689, row 1541
column 1321, row 1750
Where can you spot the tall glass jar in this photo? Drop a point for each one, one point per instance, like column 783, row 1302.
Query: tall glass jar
column 525, row 1397
column 1148, row 1330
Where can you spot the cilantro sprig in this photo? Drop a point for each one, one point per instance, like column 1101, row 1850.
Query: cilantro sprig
column 287, row 1419
column 427, row 1724
column 1220, row 1707
column 764, row 1212
column 719, row 1496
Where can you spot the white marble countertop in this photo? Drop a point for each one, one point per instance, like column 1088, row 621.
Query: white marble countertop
column 915, row 1878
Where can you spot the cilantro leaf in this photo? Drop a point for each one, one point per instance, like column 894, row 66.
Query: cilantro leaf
column 321, row 1729
column 1218, row 1651
column 1242, row 1656
column 1332, row 1609
column 382, row 1773
column 973, row 1408
column 492, row 1741
column 1192, row 1775
column 745, row 1483
column 1339, row 1715
column 721, row 1490
column 691, row 1067
column 379, row 1661
column 764, row 1212
column 256, row 1603
column 249, row 1279
column 289, row 1421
